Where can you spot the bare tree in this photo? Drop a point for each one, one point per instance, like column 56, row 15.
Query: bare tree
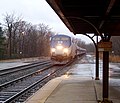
column 90, row 47
column 2, row 43
column 12, row 24
column 25, row 39
column 116, row 45
column 43, row 41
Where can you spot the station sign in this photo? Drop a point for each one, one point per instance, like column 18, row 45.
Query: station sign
column 104, row 46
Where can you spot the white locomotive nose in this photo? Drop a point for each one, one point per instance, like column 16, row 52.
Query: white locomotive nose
column 59, row 47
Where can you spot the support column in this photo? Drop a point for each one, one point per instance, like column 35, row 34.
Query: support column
column 97, row 61
column 106, row 38
column 105, row 75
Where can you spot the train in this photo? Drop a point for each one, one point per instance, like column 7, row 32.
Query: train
column 80, row 51
column 64, row 48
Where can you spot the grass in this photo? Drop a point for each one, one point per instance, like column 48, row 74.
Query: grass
column 112, row 58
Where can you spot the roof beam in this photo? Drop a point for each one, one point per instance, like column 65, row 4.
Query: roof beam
column 111, row 4
column 58, row 11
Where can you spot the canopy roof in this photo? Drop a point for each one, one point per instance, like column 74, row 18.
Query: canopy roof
column 89, row 16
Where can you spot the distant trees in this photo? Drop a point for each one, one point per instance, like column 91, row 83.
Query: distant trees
column 115, row 45
column 90, row 48
column 24, row 39
column 11, row 23
column 2, row 43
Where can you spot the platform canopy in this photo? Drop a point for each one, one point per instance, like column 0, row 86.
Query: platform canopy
column 89, row 16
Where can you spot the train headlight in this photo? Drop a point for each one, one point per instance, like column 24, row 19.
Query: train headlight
column 59, row 47
column 52, row 49
column 65, row 50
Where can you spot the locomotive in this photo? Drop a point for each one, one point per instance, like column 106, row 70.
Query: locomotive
column 63, row 48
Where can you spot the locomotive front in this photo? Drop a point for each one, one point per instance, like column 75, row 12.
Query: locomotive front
column 60, row 47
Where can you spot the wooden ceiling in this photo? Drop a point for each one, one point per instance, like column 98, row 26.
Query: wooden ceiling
column 89, row 16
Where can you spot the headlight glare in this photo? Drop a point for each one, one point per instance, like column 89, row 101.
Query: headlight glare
column 66, row 50
column 52, row 49
column 59, row 47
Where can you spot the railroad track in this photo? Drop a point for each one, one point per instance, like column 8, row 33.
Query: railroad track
column 16, row 72
column 19, row 68
column 18, row 90
column 15, row 87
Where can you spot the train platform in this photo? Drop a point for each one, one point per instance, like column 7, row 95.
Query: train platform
column 76, row 86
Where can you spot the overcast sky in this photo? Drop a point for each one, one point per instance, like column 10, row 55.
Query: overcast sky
column 36, row 11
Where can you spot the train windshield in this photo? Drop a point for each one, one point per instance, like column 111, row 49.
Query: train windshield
column 64, row 41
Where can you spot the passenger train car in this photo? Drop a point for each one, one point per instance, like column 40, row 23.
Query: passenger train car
column 80, row 51
column 63, row 47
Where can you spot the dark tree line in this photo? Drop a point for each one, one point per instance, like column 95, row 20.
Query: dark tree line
column 115, row 45
column 2, row 41
column 21, row 39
